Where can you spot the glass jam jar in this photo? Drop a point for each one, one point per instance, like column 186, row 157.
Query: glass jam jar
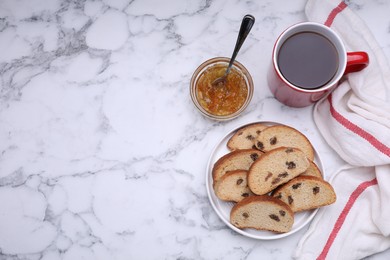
column 222, row 101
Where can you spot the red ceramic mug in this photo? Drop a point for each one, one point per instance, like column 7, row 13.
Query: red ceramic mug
column 308, row 61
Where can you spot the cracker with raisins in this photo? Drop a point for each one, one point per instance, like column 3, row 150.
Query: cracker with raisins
column 236, row 160
column 276, row 167
column 262, row 213
column 245, row 137
column 305, row 193
column 233, row 186
column 283, row 136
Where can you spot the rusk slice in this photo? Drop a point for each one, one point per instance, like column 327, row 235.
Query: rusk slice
column 245, row 137
column 306, row 192
column 276, row 167
column 236, row 160
column 283, row 136
column 262, row 213
column 233, row 186
column 313, row 170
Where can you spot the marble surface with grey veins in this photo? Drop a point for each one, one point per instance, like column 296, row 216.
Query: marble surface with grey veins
column 102, row 153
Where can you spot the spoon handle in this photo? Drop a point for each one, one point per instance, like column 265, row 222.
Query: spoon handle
column 246, row 26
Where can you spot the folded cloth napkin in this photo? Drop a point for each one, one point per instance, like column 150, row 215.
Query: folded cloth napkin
column 355, row 121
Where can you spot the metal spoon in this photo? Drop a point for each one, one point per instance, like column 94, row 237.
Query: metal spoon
column 246, row 26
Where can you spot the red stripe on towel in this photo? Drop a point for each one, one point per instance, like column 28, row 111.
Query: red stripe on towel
column 341, row 119
column 357, row 130
column 334, row 13
column 351, row 201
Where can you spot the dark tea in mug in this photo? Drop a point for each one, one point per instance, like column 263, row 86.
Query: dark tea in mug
column 308, row 60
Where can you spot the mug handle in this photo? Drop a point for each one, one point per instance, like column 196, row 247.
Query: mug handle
column 356, row 61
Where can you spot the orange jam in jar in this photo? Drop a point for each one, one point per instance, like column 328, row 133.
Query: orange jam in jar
column 223, row 98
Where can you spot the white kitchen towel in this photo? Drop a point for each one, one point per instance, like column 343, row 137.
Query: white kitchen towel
column 355, row 121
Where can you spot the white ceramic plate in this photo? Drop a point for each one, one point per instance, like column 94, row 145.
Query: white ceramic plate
column 223, row 208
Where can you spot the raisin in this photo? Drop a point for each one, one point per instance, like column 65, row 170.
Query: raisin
column 290, row 200
column 276, row 180
column 289, row 150
column 291, row 165
column 260, row 145
column 254, row 156
column 269, row 175
column 297, row 185
column 283, row 175
column 245, row 215
column 282, row 213
column 279, row 196
column 250, row 137
column 274, row 217
column 258, row 132
column 245, row 194
column 254, row 147
column 273, row 140
column 316, row 190
column 239, row 181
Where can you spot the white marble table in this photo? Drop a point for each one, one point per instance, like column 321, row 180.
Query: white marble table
column 102, row 154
